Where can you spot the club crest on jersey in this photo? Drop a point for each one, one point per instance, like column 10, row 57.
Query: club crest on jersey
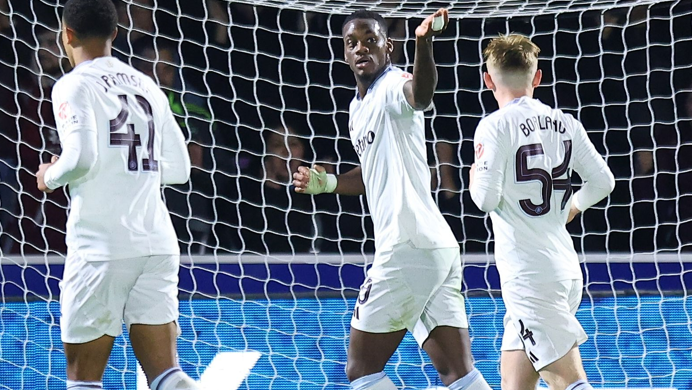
column 407, row 75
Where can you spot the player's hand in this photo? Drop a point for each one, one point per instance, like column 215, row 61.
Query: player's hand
column 425, row 30
column 573, row 212
column 40, row 183
column 313, row 181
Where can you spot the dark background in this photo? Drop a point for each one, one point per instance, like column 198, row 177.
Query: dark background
column 274, row 94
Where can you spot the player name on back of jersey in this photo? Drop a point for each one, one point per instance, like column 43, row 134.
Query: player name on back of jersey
column 110, row 80
column 541, row 123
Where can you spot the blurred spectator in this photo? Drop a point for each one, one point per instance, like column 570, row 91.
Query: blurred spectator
column 273, row 217
column 190, row 204
column 136, row 25
column 27, row 132
column 9, row 185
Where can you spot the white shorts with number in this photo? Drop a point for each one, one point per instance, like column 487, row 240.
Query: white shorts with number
column 96, row 296
column 541, row 319
column 414, row 289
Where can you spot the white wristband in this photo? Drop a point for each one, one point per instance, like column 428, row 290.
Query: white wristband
column 320, row 182
column 331, row 183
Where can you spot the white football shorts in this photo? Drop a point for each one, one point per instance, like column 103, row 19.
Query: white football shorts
column 96, row 296
column 541, row 319
column 414, row 289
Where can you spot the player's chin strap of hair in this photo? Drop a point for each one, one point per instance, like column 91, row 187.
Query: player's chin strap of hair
column 320, row 182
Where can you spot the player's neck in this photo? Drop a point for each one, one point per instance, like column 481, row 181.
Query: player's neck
column 363, row 84
column 503, row 97
column 91, row 51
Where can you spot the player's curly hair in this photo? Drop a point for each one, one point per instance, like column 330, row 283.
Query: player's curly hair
column 91, row 18
column 512, row 53
column 364, row 14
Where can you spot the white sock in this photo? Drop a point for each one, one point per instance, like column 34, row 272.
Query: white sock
column 378, row 381
column 81, row 385
column 580, row 385
column 472, row 381
column 173, row 378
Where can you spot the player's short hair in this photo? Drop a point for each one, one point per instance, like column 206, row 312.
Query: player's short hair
column 91, row 18
column 364, row 14
column 512, row 53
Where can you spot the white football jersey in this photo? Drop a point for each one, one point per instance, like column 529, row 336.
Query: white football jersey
column 525, row 154
column 116, row 209
column 389, row 137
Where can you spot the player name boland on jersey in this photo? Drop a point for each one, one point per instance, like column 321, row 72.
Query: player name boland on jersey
column 528, row 151
column 116, row 208
column 388, row 136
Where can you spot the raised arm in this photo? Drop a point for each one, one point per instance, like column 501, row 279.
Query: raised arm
column 317, row 181
column 419, row 92
column 599, row 180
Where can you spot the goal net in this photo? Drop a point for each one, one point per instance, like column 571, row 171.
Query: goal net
column 269, row 277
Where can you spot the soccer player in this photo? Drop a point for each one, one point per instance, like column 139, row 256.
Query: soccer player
column 120, row 142
column 525, row 155
column 415, row 281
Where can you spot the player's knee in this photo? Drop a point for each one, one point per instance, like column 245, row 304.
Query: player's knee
column 512, row 382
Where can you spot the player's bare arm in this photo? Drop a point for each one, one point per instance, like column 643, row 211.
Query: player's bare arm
column 419, row 92
column 317, row 181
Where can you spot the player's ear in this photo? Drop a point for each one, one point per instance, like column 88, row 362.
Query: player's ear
column 70, row 36
column 115, row 34
column 389, row 48
column 537, row 78
column 488, row 80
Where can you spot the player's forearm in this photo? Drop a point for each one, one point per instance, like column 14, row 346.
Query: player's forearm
column 350, row 183
column 424, row 74
column 597, row 187
column 76, row 160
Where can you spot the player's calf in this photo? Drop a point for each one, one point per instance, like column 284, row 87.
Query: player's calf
column 517, row 371
column 566, row 373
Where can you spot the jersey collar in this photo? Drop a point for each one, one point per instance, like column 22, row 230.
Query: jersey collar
column 517, row 100
column 372, row 86
column 521, row 99
column 90, row 61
